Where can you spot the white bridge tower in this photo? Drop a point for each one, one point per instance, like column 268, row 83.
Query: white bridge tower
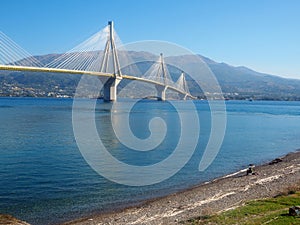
column 110, row 51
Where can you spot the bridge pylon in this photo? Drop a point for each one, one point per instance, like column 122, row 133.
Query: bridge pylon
column 162, row 76
column 182, row 84
column 110, row 51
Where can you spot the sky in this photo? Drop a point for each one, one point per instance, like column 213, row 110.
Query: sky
column 263, row 35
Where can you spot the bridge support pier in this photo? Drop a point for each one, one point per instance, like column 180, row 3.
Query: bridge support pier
column 161, row 92
column 110, row 88
column 182, row 96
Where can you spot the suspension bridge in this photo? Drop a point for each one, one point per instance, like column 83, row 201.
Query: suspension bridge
column 97, row 56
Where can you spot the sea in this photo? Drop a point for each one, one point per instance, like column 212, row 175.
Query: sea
column 45, row 178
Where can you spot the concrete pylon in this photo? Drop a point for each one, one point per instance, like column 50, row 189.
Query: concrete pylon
column 110, row 89
column 161, row 92
column 110, row 84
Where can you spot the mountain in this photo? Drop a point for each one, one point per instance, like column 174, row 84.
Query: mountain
column 253, row 84
column 236, row 82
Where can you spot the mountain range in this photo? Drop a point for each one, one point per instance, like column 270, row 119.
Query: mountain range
column 236, row 82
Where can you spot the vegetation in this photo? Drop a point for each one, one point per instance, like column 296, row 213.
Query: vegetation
column 267, row 211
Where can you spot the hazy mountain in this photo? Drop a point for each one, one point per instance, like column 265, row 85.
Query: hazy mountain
column 236, row 82
column 254, row 84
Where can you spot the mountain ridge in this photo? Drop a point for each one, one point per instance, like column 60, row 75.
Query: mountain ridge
column 237, row 82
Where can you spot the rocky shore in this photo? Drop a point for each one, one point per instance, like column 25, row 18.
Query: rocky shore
column 225, row 193
column 221, row 194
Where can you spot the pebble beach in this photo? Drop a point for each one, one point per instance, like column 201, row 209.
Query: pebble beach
column 224, row 193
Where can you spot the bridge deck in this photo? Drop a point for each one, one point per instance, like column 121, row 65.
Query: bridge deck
column 92, row 73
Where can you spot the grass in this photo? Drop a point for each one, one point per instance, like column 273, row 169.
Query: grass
column 271, row 211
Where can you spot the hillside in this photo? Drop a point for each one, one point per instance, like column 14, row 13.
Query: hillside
column 236, row 82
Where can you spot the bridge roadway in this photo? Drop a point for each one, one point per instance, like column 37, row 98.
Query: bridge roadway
column 92, row 73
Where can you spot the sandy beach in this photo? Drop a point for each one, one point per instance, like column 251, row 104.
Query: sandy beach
column 221, row 194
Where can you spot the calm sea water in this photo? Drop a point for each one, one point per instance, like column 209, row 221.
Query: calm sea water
column 45, row 180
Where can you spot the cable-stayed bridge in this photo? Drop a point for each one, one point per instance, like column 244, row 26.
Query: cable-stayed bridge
column 97, row 56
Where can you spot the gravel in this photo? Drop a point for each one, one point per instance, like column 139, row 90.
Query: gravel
column 221, row 194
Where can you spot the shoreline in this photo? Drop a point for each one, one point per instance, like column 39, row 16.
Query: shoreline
column 220, row 194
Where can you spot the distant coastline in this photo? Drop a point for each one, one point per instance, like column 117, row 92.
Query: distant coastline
column 200, row 98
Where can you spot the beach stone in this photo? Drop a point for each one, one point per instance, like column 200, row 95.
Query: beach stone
column 294, row 211
column 10, row 220
column 277, row 160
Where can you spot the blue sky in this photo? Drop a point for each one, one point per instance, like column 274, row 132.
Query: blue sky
column 261, row 34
